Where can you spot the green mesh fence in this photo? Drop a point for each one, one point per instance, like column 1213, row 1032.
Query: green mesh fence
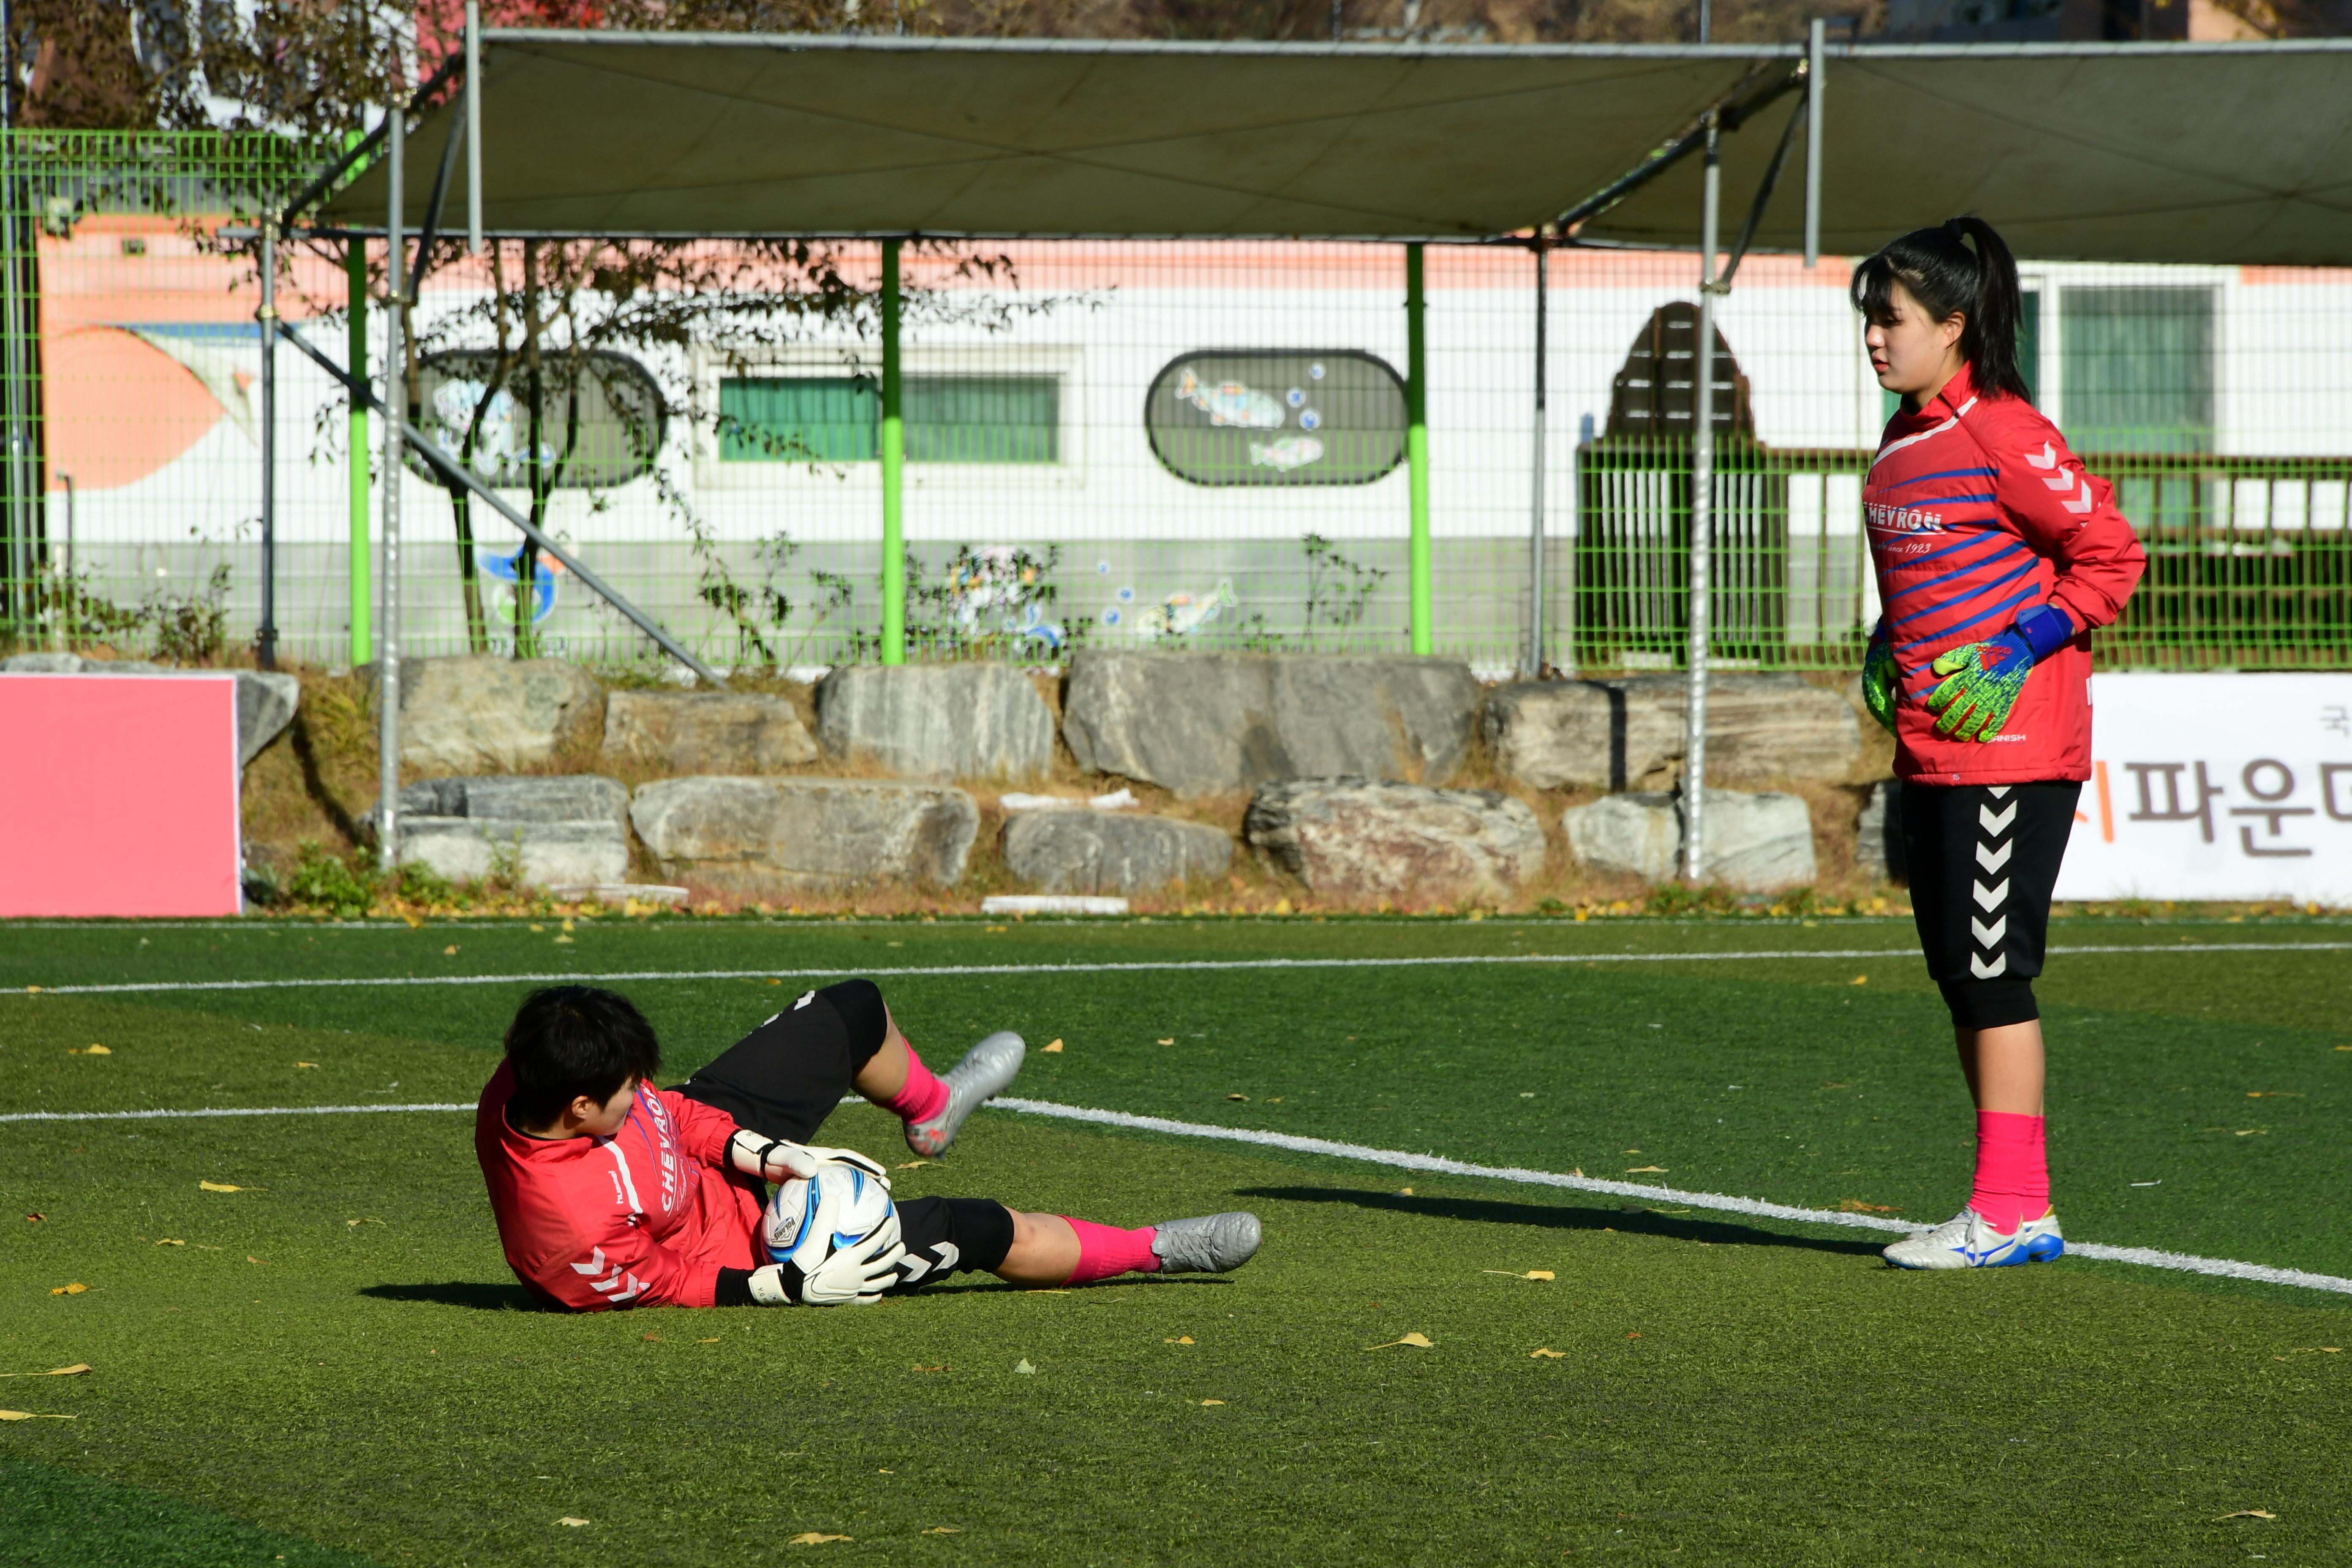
column 1165, row 444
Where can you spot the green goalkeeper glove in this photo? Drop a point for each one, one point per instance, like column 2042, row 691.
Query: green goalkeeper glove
column 1982, row 680
column 1882, row 679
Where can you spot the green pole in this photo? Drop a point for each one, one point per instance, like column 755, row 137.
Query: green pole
column 1416, row 445
column 355, row 280
column 893, row 477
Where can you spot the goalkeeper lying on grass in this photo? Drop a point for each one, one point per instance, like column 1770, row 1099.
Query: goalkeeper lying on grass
column 612, row 1193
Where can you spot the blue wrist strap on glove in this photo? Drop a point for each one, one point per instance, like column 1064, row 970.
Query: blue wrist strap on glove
column 2045, row 628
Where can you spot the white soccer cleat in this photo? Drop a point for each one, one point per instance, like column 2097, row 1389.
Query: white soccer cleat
column 1965, row 1241
column 981, row 1076
column 1212, row 1244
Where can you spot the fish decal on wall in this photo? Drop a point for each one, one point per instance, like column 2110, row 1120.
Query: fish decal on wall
column 1290, row 452
column 1232, row 403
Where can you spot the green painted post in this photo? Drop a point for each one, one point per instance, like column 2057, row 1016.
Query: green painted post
column 355, row 281
column 1416, row 447
column 894, row 475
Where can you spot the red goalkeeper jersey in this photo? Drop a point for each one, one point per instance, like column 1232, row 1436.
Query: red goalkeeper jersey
column 1977, row 510
column 645, row 1217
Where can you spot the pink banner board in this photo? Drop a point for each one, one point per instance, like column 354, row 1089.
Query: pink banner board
column 119, row 796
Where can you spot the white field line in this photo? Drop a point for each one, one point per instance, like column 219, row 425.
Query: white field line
column 1195, row 964
column 2145, row 1257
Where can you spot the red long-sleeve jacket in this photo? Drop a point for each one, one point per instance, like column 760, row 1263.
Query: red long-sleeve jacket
column 645, row 1217
column 1977, row 510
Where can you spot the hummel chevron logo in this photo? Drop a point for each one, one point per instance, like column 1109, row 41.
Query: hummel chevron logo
column 1998, row 792
column 2049, row 459
column 2084, row 501
column 1990, row 861
column 1988, row 899
column 1983, row 970
column 1996, row 825
column 595, row 1264
column 1989, row 936
column 2061, row 481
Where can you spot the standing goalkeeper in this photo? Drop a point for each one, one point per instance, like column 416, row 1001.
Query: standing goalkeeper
column 1997, row 553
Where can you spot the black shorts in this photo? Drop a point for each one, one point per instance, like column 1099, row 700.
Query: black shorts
column 784, row 1078
column 1983, row 861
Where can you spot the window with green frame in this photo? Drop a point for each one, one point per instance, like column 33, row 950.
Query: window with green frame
column 838, row 418
column 2137, row 368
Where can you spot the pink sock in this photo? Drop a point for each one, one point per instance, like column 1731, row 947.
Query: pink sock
column 923, row 1097
column 2012, row 1170
column 1104, row 1251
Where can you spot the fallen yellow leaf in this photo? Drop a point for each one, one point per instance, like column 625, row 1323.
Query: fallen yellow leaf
column 1237, row 1097
column 2248, row 1513
column 42, row 1415
column 1212, row 1402
column 571, row 1520
column 1404, row 1192
column 912, row 1163
column 945, row 1529
column 77, row 1368
column 306, row 1064
column 224, row 1187
column 1645, row 1169
column 1547, row 1354
column 1282, row 906
column 1052, row 1048
column 450, row 951
column 1417, row 1340
column 711, row 1341
column 1856, row 1206
column 812, row 1538
column 1530, row 1274
column 88, row 1051
column 251, row 1258
column 169, row 1241
column 1859, row 980
column 76, row 1288
column 562, row 941
column 1168, row 1041
column 1181, row 1340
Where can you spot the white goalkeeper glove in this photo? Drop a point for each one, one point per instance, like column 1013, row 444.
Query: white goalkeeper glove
column 851, row 1157
column 769, row 1159
column 855, row 1275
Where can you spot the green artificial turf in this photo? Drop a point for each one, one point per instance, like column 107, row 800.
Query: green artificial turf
column 334, row 1360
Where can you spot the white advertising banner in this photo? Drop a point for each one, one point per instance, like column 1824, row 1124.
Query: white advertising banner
column 2216, row 786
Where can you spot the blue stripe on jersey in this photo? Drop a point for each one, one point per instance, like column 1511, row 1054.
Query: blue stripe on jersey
column 1941, row 500
column 2013, row 549
column 1953, row 634
column 1966, row 541
column 1946, row 474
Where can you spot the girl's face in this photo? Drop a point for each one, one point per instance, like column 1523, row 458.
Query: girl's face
column 1913, row 353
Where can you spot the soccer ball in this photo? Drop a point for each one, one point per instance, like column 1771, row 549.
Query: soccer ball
column 811, row 1218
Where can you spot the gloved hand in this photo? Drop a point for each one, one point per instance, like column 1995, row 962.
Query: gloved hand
column 855, row 1275
column 769, row 1159
column 851, row 1157
column 1981, row 680
column 1882, row 679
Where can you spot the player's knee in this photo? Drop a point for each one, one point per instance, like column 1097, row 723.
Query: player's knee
column 863, row 1019
column 1989, row 1004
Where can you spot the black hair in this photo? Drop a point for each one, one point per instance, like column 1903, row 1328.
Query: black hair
column 1938, row 268
column 571, row 1040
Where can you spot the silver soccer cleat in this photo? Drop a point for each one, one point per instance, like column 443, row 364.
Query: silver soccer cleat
column 1212, row 1244
column 1967, row 1241
column 981, row 1076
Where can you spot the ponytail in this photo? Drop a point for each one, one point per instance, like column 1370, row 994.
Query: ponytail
column 1938, row 268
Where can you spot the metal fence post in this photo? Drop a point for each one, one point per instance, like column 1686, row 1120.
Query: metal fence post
column 1533, row 668
column 265, row 640
column 1416, row 447
column 1702, row 519
column 355, row 285
column 894, row 461
column 395, row 400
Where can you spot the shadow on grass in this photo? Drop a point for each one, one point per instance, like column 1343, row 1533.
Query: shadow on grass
column 462, row 1293
column 1630, row 1220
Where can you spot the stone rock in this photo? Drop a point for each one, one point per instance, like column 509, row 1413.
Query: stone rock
column 481, row 714
column 1367, row 837
column 266, row 699
column 1754, row 842
column 1102, row 852
column 1878, row 834
column 706, row 732
column 756, row 835
column 544, row 854
column 573, row 797
column 937, row 720
column 1202, row 723
column 1632, row 733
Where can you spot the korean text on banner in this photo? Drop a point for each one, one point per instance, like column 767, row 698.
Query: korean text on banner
column 123, row 798
column 2216, row 786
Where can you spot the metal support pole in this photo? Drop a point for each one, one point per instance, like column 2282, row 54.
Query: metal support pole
column 1816, row 51
column 1533, row 666
column 1702, row 520
column 474, row 127
column 1416, row 449
column 15, row 506
column 61, row 631
column 355, row 285
column 265, row 641
column 894, row 469
column 395, row 402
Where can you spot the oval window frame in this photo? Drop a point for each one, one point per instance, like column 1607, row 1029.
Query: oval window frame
column 1272, row 478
